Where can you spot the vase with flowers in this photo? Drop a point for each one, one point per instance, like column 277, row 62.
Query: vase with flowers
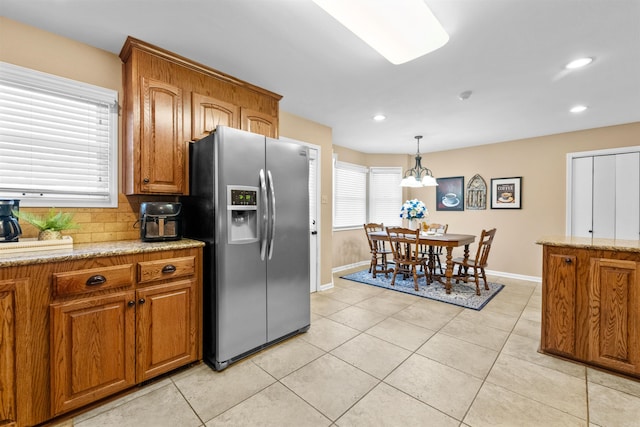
column 414, row 211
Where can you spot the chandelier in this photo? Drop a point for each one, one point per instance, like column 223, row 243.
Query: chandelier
column 418, row 176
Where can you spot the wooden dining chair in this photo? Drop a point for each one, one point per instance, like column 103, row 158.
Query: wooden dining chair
column 429, row 252
column 380, row 254
column 472, row 269
column 406, row 254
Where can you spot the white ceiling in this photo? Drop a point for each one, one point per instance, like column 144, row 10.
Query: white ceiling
column 510, row 53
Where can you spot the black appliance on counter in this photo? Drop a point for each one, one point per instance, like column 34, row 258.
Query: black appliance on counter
column 160, row 221
column 10, row 230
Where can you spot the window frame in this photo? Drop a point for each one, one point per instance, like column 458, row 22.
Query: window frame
column 368, row 188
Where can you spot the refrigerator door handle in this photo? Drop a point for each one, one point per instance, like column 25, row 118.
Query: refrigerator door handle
column 272, row 200
column 263, row 214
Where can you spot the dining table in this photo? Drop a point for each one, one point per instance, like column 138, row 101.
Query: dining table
column 447, row 241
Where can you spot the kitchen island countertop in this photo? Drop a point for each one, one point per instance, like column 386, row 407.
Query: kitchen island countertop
column 93, row 250
column 591, row 243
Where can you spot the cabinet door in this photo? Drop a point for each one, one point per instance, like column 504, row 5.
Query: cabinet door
column 582, row 197
column 166, row 328
column 92, row 349
column 614, row 328
column 208, row 112
column 162, row 147
column 7, row 352
column 260, row 123
column 559, row 302
column 628, row 196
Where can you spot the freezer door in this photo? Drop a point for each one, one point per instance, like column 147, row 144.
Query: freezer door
column 288, row 302
column 240, row 275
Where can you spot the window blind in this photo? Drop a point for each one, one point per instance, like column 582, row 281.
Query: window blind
column 350, row 195
column 58, row 140
column 385, row 195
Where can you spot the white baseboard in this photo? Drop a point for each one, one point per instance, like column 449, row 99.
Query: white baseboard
column 490, row 272
column 514, row 276
column 350, row 266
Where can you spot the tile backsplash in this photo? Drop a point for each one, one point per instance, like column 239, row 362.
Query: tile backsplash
column 100, row 224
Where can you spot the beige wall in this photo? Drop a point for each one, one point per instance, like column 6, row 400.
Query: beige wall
column 541, row 162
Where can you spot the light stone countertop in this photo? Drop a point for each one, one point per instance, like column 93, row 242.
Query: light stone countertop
column 591, row 243
column 93, row 250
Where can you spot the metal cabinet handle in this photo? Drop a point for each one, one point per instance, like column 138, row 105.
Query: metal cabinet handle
column 96, row 280
column 568, row 260
column 142, row 301
column 169, row 268
column 131, row 303
column 146, row 180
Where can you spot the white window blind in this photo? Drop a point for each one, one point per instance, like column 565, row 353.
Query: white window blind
column 350, row 195
column 385, row 195
column 58, row 140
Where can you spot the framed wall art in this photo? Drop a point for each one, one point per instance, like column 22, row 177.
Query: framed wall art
column 506, row 193
column 450, row 194
column 476, row 193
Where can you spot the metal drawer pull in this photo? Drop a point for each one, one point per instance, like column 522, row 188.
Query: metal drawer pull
column 142, row 301
column 169, row 268
column 567, row 260
column 96, row 280
column 131, row 303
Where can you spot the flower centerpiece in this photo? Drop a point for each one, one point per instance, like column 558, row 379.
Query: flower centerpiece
column 413, row 210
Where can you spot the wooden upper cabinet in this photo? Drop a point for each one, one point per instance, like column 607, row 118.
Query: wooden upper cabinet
column 165, row 92
column 208, row 112
column 260, row 123
column 162, row 146
column 614, row 327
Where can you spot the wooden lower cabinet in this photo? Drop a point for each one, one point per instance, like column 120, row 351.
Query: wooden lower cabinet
column 165, row 328
column 591, row 307
column 107, row 343
column 560, row 304
column 8, row 353
column 76, row 331
column 92, row 349
column 614, row 327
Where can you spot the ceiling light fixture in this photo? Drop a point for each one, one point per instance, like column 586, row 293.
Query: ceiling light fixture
column 399, row 31
column 379, row 117
column 578, row 63
column 578, row 109
column 414, row 176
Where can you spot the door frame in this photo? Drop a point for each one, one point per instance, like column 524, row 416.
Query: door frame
column 314, row 249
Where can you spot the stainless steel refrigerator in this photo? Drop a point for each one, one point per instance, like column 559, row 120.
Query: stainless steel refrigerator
column 249, row 202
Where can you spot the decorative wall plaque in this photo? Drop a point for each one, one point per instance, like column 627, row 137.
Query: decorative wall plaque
column 477, row 193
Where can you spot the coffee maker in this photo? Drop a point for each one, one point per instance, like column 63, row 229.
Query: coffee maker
column 10, row 230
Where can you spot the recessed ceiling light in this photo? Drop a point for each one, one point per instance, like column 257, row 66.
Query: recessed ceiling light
column 578, row 63
column 379, row 117
column 465, row 95
column 399, row 31
column 578, row 109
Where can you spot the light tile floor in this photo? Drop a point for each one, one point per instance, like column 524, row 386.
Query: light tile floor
column 375, row 357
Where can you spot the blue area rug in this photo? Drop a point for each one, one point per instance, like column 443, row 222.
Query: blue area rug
column 463, row 295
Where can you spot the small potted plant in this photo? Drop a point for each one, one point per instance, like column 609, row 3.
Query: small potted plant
column 49, row 225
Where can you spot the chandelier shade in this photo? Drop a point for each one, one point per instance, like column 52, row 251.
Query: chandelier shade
column 418, row 176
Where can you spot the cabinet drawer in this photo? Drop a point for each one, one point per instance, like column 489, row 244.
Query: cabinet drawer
column 94, row 279
column 149, row 271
